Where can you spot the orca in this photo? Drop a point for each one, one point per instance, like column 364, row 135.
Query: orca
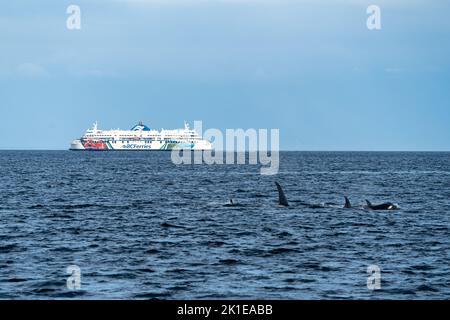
column 383, row 206
column 230, row 204
column 282, row 201
column 347, row 203
column 169, row 225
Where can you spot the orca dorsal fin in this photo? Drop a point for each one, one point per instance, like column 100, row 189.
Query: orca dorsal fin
column 282, row 201
column 347, row 203
column 368, row 203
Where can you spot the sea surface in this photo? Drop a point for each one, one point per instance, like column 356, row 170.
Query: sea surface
column 140, row 227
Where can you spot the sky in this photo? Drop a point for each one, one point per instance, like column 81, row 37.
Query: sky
column 311, row 69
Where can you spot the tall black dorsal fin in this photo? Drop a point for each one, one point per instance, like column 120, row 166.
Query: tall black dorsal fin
column 282, row 201
column 347, row 203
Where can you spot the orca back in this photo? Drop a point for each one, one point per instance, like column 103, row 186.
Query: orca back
column 383, row 206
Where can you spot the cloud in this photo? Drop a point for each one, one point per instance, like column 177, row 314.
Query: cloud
column 203, row 2
column 393, row 70
column 95, row 73
column 272, row 2
column 31, row 70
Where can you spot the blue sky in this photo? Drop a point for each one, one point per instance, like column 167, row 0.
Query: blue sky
column 310, row 68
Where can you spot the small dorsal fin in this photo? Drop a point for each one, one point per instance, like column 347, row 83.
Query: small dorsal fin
column 282, row 201
column 368, row 203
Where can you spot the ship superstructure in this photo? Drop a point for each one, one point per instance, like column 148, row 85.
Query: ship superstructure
column 140, row 138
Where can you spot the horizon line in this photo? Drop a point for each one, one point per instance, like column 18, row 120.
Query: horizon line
column 285, row 150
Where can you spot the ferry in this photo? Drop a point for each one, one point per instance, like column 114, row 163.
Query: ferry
column 140, row 138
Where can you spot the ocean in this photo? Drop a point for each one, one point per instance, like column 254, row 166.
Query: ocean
column 140, row 227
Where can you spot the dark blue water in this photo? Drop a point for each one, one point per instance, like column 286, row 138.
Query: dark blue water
column 141, row 227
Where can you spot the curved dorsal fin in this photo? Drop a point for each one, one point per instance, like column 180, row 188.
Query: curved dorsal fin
column 282, row 201
column 347, row 203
